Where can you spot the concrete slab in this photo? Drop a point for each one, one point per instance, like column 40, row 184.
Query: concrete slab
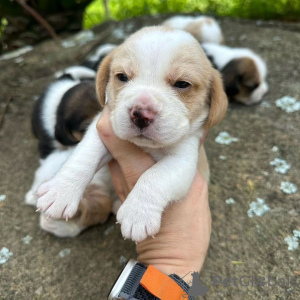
column 240, row 246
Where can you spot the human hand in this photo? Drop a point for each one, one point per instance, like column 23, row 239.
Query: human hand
column 182, row 242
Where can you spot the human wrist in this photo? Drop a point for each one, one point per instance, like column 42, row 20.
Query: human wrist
column 173, row 267
column 145, row 282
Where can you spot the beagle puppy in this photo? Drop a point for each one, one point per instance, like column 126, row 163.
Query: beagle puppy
column 59, row 120
column 204, row 29
column 60, row 117
column 244, row 72
column 163, row 98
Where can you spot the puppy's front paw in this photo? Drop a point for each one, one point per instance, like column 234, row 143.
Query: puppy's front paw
column 138, row 220
column 58, row 198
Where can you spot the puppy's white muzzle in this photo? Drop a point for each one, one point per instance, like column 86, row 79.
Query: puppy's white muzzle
column 149, row 116
column 257, row 94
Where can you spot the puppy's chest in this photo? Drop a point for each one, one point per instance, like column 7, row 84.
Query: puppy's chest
column 157, row 154
column 184, row 146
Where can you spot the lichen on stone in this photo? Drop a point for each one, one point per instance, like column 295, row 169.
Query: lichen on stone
column 281, row 166
column 288, row 104
column 65, row 252
column 5, row 254
column 27, row 239
column 288, row 187
column 225, row 138
column 292, row 242
column 230, row 201
column 258, row 208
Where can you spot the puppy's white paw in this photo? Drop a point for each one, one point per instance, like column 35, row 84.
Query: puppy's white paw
column 61, row 228
column 30, row 197
column 138, row 219
column 58, row 198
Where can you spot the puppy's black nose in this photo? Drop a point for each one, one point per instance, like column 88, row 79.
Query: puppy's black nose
column 141, row 117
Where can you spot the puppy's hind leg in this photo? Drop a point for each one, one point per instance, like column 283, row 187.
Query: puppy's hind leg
column 61, row 228
column 94, row 208
column 47, row 170
column 96, row 204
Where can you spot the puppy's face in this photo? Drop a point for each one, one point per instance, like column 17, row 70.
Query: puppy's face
column 244, row 80
column 160, row 88
column 75, row 112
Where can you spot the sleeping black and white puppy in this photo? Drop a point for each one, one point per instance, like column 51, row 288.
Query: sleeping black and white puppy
column 62, row 114
column 244, row 72
column 64, row 111
column 59, row 120
column 163, row 97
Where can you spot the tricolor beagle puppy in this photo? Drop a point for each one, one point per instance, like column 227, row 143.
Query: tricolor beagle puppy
column 64, row 111
column 59, row 120
column 163, row 98
column 244, row 72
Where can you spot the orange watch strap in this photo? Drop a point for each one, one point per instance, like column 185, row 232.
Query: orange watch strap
column 161, row 285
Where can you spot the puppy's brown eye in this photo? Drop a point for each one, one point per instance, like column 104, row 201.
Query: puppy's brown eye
column 182, row 84
column 122, row 77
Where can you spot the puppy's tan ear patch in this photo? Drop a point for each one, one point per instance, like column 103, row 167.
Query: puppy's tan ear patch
column 95, row 206
column 217, row 100
column 103, row 77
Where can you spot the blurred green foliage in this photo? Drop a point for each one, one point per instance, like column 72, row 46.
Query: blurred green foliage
column 252, row 9
column 3, row 23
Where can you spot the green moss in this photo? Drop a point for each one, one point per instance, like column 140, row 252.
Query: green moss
column 251, row 9
column 3, row 23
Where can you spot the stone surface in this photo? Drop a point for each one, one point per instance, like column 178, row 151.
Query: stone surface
column 36, row 271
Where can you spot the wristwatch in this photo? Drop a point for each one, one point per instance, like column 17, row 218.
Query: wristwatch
column 140, row 282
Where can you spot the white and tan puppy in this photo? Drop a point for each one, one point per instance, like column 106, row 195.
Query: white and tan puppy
column 204, row 29
column 163, row 94
column 244, row 72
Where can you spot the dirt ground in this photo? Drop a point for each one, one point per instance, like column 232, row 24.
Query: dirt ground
column 240, row 246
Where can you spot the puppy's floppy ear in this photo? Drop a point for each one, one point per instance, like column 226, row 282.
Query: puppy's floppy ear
column 103, row 77
column 63, row 134
column 217, row 101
